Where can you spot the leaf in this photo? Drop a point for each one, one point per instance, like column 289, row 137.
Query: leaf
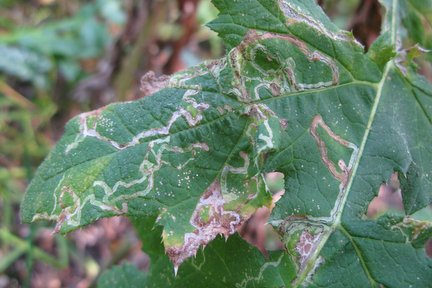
column 183, row 152
column 78, row 37
column 231, row 263
column 24, row 65
column 222, row 264
column 415, row 21
column 414, row 36
column 295, row 95
column 30, row 53
column 124, row 276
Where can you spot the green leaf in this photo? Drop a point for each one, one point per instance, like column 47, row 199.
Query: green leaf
column 24, row 64
column 223, row 263
column 124, row 276
column 414, row 18
column 183, row 152
column 295, row 95
column 31, row 53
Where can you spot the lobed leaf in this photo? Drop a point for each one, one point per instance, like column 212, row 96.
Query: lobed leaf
column 185, row 152
column 294, row 94
column 223, row 263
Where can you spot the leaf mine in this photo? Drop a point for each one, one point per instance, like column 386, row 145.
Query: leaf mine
column 344, row 174
column 209, row 219
column 294, row 94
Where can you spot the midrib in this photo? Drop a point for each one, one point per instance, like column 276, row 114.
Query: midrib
column 371, row 120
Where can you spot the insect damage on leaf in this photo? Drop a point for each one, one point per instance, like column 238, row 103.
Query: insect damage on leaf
column 294, row 94
column 151, row 84
column 90, row 125
column 283, row 78
column 152, row 162
column 210, row 219
column 388, row 208
column 295, row 14
column 345, row 171
column 389, row 198
column 304, row 233
column 256, row 278
column 306, row 245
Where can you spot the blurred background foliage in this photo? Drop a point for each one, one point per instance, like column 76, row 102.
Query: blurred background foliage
column 59, row 58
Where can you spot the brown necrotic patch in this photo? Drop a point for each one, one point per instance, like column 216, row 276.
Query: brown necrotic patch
column 306, row 246
column 210, row 219
column 150, row 83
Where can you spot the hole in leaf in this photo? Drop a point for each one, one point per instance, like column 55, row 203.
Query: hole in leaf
column 428, row 247
column 363, row 18
column 275, row 182
column 389, row 198
column 255, row 230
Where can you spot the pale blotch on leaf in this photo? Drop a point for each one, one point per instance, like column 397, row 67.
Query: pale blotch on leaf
column 306, row 246
column 209, row 220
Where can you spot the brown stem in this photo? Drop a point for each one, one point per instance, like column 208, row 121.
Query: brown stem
column 367, row 22
column 189, row 25
column 124, row 81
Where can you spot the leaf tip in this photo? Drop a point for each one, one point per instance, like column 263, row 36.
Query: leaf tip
column 176, row 267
